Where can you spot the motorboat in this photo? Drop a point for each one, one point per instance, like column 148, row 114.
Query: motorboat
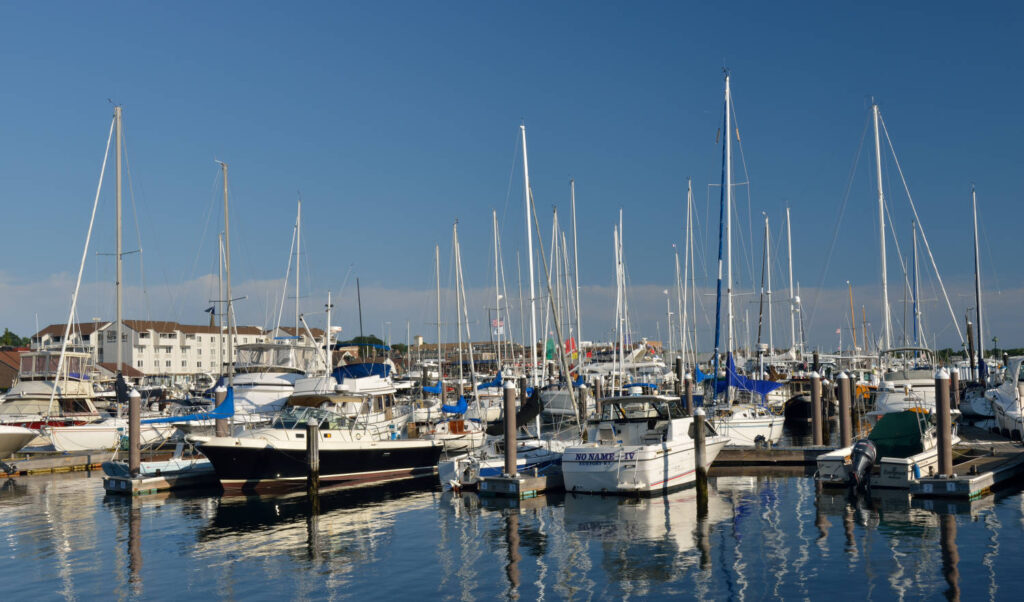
column 13, row 438
column 42, row 397
column 1006, row 399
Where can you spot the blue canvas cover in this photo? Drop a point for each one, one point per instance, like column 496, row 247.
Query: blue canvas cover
column 734, row 379
column 459, row 408
column 225, row 410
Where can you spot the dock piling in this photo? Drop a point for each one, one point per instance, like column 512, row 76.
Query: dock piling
column 312, row 459
column 679, row 376
column 945, row 436
column 816, row 421
column 688, row 397
column 845, row 430
column 510, row 428
column 220, row 424
column 954, row 389
column 134, row 432
column 700, row 463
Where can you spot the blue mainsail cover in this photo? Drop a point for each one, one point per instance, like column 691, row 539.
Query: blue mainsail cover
column 459, row 408
column 436, row 389
column 225, row 410
column 361, row 371
column 733, row 379
column 495, row 382
column 701, row 377
column 578, row 382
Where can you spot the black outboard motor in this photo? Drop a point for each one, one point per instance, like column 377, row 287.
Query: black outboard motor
column 861, row 460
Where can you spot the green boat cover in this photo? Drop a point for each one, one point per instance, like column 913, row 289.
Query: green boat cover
column 899, row 434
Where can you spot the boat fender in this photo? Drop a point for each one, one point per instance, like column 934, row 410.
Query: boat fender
column 917, row 471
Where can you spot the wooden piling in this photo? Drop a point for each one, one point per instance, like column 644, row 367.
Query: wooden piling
column 954, row 389
column 845, row 430
column 220, row 424
column 688, row 394
column 134, row 432
column 510, row 429
column 945, row 435
column 700, row 456
column 312, row 458
column 679, row 376
column 816, row 421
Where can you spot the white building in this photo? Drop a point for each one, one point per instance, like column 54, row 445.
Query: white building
column 154, row 347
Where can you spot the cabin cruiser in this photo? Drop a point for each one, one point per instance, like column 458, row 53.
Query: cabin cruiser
column 42, row 397
column 265, row 374
column 350, row 453
column 908, row 382
column 638, row 445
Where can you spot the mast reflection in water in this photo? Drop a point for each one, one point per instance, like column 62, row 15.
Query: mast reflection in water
column 757, row 538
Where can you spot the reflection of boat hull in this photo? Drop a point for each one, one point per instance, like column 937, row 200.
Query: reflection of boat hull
column 251, row 464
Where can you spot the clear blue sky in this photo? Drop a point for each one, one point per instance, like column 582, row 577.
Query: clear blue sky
column 394, row 119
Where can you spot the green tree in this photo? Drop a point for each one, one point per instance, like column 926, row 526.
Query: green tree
column 12, row 340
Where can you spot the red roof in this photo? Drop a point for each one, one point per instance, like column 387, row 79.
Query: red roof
column 126, row 370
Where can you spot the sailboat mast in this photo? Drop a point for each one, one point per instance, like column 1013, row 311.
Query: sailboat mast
column 220, row 298
column 576, row 272
column 853, row 318
column 768, row 293
column 681, row 308
column 437, row 273
column 529, row 250
column 728, row 219
column 458, row 299
column 118, row 252
column 298, row 254
column 227, row 270
column 721, row 232
column 887, row 325
column 497, row 293
column 977, row 287
column 792, row 291
column 917, row 293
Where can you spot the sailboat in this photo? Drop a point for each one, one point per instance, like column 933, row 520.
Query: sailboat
column 747, row 423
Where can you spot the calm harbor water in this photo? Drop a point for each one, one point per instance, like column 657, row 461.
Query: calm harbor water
column 61, row 537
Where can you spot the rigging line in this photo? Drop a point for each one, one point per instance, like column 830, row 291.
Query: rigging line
column 991, row 271
column 835, row 230
column 508, row 189
column 920, row 227
column 206, row 226
column 748, row 253
column 138, row 233
column 81, row 268
column 287, row 278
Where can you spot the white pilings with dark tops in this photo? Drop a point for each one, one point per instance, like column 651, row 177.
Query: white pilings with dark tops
column 845, row 431
column 816, row 421
column 943, row 424
column 510, row 428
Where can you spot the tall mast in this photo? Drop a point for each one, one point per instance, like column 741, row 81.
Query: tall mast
column 768, row 293
column 623, row 316
column 721, row 236
column 576, row 271
column 977, row 288
column 529, row 250
column 728, row 219
column 679, row 306
column 917, row 293
column 220, row 298
column 227, row 270
column 497, row 293
column 887, row 326
column 117, row 284
column 853, row 318
column 327, row 338
column 792, row 291
column 437, row 272
column 298, row 254
column 458, row 299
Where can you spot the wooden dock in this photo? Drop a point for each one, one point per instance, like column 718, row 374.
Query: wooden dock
column 983, row 469
column 735, row 456
column 523, row 486
column 135, row 486
column 46, row 462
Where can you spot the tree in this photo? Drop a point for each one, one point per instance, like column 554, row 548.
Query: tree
column 9, row 339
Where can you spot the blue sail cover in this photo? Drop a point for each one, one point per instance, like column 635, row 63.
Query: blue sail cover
column 459, row 408
column 578, row 382
column 436, row 389
column 496, row 382
column 225, row 410
column 733, row 379
column 701, row 377
column 361, row 371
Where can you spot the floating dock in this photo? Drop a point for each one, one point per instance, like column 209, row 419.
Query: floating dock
column 44, row 462
column 984, row 468
column 523, row 486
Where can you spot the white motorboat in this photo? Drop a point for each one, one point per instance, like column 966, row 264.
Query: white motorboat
column 638, row 445
column 908, row 383
column 1006, row 400
column 748, row 424
column 13, row 438
column 457, row 434
column 31, row 401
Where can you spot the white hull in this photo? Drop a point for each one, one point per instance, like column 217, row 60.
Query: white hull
column 750, row 426
column 893, row 473
column 13, row 438
column 642, row 469
column 84, row 438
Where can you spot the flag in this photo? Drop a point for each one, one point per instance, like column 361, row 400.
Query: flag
column 838, row 331
column 210, row 310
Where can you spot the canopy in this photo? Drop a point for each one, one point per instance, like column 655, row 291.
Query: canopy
column 734, row 379
column 701, row 377
column 496, row 382
column 361, row 371
column 225, row 410
column 459, row 408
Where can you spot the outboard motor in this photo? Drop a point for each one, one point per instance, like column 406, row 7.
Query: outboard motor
column 861, row 460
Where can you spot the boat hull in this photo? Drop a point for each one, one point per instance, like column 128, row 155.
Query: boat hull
column 257, row 465
column 13, row 438
column 633, row 470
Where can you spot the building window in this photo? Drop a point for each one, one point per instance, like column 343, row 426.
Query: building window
column 199, row 364
column 167, row 363
column 143, row 335
column 138, row 364
column 199, row 351
column 184, row 364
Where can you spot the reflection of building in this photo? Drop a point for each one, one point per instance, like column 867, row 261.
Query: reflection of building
column 152, row 347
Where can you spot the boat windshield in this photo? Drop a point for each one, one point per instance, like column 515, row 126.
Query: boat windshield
column 638, row 408
column 274, row 358
column 297, row 417
column 43, row 365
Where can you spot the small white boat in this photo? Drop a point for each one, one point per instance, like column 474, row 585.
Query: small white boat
column 13, row 438
column 748, row 424
column 1006, row 400
column 457, row 434
column 86, row 437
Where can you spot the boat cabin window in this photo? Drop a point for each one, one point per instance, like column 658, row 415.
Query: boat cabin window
column 709, row 431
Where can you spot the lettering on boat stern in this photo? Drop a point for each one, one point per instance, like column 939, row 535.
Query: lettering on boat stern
column 603, row 457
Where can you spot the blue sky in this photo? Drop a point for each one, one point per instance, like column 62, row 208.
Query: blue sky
column 394, row 119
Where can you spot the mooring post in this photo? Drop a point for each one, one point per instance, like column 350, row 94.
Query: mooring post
column 312, row 458
column 220, row 424
column 679, row 377
column 688, row 394
column 700, row 456
column 945, row 435
column 134, row 432
column 845, row 432
column 510, row 428
column 954, row 389
column 815, row 409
